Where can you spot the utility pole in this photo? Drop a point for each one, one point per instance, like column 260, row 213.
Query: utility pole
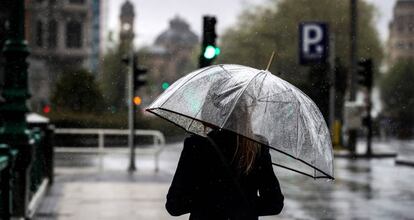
column 352, row 134
column 14, row 131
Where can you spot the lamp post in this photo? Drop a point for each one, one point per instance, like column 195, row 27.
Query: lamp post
column 14, row 130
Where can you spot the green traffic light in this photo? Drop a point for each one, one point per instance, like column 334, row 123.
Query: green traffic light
column 217, row 51
column 210, row 52
column 165, row 85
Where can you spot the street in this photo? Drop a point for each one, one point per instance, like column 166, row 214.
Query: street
column 363, row 189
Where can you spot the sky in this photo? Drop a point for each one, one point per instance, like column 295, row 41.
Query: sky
column 152, row 16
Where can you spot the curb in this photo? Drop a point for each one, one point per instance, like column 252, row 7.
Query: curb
column 364, row 156
column 404, row 162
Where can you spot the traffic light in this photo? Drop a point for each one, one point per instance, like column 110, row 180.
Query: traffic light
column 209, row 50
column 139, row 72
column 365, row 73
column 46, row 109
column 137, row 100
column 165, row 85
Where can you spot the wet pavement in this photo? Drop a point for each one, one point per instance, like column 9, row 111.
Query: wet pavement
column 405, row 151
column 89, row 187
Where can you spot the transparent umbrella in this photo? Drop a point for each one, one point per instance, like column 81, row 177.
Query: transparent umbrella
column 256, row 104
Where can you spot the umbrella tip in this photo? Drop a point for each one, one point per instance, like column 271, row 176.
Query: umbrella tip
column 270, row 60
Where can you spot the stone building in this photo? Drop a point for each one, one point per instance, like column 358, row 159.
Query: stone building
column 61, row 35
column 172, row 55
column 401, row 37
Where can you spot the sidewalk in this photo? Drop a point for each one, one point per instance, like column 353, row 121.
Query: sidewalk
column 108, row 195
column 405, row 152
column 380, row 149
column 363, row 189
column 401, row 150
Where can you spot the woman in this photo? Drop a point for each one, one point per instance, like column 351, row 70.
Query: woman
column 225, row 176
column 203, row 187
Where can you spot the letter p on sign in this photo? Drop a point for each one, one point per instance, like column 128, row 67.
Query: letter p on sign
column 313, row 42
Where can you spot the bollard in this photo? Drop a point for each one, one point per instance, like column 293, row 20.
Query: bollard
column 7, row 158
column 49, row 152
column 5, row 182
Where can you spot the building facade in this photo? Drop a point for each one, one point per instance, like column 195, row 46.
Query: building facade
column 61, row 35
column 172, row 55
column 401, row 29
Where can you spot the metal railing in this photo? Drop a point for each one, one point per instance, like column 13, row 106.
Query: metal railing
column 155, row 149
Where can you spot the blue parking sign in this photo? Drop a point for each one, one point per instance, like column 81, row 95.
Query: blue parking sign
column 313, row 42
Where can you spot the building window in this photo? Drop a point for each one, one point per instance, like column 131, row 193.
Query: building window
column 73, row 34
column 39, row 34
column 77, row 1
column 401, row 28
column 400, row 45
column 411, row 27
column 52, row 31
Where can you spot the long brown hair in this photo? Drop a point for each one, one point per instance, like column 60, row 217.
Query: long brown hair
column 246, row 153
column 246, row 150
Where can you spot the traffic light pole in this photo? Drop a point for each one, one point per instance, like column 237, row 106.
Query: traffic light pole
column 369, row 121
column 332, row 89
column 131, row 115
column 366, row 79
column 352, row 134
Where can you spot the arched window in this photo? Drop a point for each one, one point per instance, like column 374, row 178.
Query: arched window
column 73, row 34
column 52, row 34
column 39, row 34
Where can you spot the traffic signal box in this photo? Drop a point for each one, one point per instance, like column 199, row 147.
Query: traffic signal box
column 365, row 73
column 139, row 73
column 209, row 50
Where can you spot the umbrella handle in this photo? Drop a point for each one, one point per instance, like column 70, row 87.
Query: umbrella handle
column 228, row 169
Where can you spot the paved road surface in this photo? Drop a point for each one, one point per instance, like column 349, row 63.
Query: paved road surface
column 364, row 189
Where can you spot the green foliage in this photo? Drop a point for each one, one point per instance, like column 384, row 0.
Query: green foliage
column 397, row 89
column 275, row 27
column 113, row 79
column 77, row 91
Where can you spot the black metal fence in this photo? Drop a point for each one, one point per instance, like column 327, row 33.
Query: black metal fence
column 41, row 171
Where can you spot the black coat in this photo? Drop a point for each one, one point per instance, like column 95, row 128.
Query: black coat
column 208, row 189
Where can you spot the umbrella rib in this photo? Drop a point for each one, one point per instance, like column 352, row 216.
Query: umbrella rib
column 297, row 129
column 202, row 71
column 234, row 104
column 267, row 97
column 228, row 73
column 261, row 86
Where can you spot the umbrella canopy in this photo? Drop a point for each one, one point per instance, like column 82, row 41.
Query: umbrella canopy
column 256, row 104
